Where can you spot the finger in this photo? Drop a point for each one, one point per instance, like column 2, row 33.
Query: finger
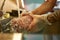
column 32, row 26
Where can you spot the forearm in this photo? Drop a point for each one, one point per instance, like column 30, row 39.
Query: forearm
column 45, row 7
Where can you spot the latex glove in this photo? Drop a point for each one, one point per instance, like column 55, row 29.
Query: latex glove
column 38, row 22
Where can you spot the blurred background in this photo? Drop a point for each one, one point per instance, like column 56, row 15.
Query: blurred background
column 29, row 4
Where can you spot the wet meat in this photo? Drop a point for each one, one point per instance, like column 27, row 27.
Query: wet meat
column 21, row 23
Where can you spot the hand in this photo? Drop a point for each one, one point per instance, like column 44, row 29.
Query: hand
column 38, row 23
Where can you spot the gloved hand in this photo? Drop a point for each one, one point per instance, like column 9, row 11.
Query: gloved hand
column 41, row 21
column 38, row 23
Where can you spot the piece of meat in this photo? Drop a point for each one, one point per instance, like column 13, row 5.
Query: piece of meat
column 21, row 23
column 25, row 21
